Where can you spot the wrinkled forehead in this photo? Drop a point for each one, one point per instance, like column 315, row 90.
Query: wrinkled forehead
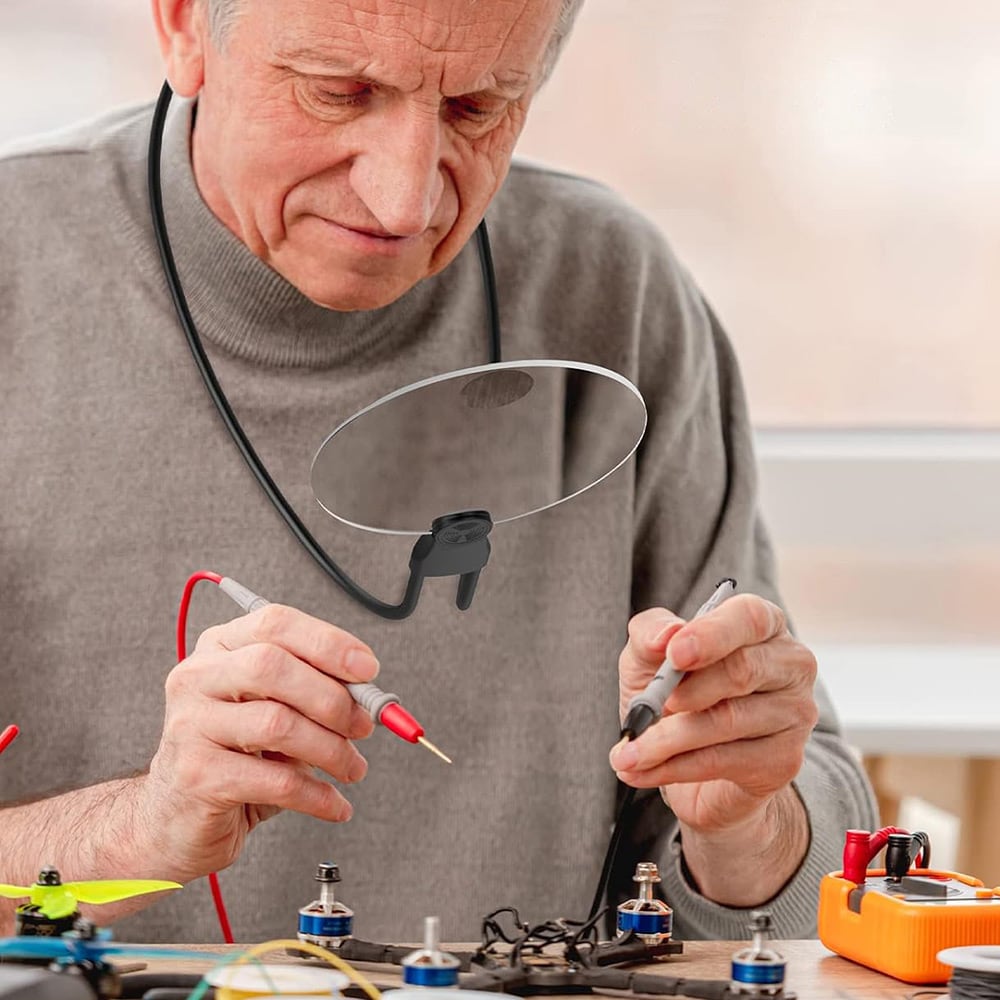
column 462, row 43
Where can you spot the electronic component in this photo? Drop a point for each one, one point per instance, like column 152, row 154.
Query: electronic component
column 896, row 920
column 325, row 921
column 759, row 970
column 430, row 966
column 649, row 918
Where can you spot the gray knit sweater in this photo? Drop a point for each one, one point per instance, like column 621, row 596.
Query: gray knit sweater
column 118, row 480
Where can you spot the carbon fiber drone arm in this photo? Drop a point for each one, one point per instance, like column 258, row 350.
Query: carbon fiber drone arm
column 534, row 981
column 356, row 950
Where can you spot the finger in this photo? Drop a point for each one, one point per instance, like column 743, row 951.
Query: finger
column 744, row 620
column 324, row 646
column 649, row 632
column 269, row 784
column 267, row 672
column 728, row 721
column 758, row 766
column 257, row 813
column 256, row 726
column 768, row 666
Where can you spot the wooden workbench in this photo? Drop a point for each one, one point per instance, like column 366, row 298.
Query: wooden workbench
column 813, row 972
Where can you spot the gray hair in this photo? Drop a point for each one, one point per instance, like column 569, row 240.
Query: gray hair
column 222, row 13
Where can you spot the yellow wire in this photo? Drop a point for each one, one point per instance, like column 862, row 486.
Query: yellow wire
column 312, row 949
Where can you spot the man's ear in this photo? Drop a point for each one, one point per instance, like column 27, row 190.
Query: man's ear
column 182, row 31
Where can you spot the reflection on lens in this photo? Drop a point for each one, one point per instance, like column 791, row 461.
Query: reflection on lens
column 497, row 388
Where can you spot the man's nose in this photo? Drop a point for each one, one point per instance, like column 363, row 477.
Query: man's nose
column 399, row 175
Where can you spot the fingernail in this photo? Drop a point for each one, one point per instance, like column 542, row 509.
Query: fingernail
column 357, row 770
column 347, row 813
column 624, row 757
column 361, row 664
column 684, row 651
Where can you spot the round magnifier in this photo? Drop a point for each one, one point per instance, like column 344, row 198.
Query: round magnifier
column 510, row 439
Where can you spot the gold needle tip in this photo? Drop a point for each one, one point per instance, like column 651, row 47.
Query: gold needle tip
column 433, row 749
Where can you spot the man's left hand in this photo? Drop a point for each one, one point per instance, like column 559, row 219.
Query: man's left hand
column 734, row 731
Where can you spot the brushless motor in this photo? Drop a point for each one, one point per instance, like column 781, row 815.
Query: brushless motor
column 759, row 970
column 649, row 918
column 430, row 966
column 325, row 921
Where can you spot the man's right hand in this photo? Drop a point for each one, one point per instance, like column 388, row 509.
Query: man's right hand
column 249, row 714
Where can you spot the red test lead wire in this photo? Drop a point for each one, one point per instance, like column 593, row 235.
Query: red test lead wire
column 7, row 737
column 182, row 617
column 182, row 611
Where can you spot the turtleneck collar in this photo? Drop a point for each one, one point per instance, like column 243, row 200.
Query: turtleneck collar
column 246, row 308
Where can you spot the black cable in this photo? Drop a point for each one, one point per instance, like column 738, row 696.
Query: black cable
column 611, row 853
column 490, row 286
column 236, row 432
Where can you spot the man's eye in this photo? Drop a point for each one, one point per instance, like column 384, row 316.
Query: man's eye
column 476, row 111
column 343, row 97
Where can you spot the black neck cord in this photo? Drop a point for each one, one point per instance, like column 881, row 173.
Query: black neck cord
column 236, row 432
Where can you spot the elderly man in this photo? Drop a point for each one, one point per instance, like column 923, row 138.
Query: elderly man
column 321, row 182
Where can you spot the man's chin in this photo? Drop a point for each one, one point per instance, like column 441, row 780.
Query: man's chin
column 360, row 302
column 351, row 293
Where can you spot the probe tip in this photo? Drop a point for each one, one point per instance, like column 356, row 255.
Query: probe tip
column 433, row 749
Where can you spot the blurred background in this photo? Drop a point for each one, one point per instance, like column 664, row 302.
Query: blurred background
column 827, row 170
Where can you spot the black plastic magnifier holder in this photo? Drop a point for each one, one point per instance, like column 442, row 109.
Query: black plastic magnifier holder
column 457, row 546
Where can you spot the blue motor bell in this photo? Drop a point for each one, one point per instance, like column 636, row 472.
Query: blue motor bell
column 325, row 921
column 649, row 918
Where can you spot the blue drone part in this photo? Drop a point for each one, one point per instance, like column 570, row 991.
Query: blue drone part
column 71, row 948
column 428, row 975
column 430, row 966
column 326, row 921
column 758, row 973
column 758, row 970
column 325, row 925
column 645, row 922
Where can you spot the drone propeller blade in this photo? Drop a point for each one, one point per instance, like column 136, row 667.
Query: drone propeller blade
column 111, row 890
column 14, row 891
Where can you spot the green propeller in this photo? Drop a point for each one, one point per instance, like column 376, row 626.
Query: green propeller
column 56, row 899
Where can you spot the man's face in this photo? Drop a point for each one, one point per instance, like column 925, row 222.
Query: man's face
column 354, row 145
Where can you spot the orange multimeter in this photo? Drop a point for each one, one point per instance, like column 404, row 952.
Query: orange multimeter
column 896, row 919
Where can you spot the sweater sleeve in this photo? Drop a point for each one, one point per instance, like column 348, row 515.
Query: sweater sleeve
column 697, row 521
